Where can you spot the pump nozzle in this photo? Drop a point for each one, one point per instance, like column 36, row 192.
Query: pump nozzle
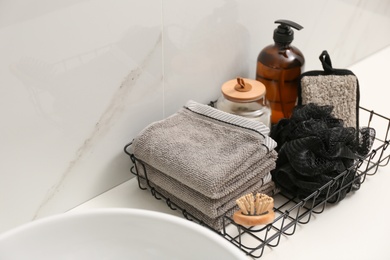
column 284, row 34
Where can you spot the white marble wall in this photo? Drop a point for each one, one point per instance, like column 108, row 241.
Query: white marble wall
column 79, row 79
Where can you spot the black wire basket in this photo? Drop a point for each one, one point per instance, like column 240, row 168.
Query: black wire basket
column 290, row 211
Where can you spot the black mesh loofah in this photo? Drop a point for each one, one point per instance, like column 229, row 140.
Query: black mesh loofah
column 314, row 147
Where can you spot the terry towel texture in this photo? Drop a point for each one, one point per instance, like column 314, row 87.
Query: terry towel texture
column 215, row 223
column 204, row 159
column 211, row 207
column 188, row 147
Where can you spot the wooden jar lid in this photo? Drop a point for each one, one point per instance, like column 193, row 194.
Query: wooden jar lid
column 243, row 90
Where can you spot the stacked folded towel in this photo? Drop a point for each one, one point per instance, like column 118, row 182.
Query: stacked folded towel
column 203, row 159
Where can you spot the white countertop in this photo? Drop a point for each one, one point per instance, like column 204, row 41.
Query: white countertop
column 356, row 228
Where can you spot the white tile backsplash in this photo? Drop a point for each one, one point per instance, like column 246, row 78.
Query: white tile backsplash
column 79, row 79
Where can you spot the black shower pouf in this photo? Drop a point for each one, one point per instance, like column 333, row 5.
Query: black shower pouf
column 314, row 147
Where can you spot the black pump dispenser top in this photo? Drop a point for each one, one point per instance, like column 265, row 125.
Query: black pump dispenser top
column 284, row 34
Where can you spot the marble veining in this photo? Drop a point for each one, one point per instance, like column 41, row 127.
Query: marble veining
column 107, row 119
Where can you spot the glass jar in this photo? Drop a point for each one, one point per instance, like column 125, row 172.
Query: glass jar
column 245, row 97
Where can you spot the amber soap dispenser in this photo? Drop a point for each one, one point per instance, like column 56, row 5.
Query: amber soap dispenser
column 279, row 66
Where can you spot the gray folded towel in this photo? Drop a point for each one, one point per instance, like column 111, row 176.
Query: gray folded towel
column 212, row 207
column 215, row 223
column 204, row 148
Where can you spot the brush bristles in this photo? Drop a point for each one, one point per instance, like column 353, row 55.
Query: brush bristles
column 254, row 205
